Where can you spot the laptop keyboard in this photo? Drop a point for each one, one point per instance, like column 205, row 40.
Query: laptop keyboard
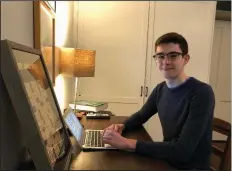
column 93, row 139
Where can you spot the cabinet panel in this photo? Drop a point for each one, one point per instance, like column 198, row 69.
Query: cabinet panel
column 220, row 75
column 118, row 33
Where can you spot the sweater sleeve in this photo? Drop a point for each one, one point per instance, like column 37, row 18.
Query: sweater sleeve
column 197, row 122
column 136, row 120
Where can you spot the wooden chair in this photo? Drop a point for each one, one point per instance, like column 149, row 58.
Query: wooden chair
column 221, row 148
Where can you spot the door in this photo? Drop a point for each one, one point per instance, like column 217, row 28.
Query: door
column 220, row 73
column 118, row 33
column 195, row 21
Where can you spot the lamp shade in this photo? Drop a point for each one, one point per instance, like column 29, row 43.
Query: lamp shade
column 77, row 62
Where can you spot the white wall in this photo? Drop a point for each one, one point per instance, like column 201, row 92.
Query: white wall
column 64, row 24
column 17, row 21
column 17, row 26
column 65, row 86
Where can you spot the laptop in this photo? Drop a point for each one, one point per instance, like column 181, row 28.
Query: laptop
column 88, row 139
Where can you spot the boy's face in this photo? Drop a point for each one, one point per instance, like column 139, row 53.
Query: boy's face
column 170, row 60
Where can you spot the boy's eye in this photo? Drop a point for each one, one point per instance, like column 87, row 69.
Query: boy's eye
column 172, row 55
column 161, row 56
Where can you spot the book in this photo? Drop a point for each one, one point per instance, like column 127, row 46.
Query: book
column 89, row 106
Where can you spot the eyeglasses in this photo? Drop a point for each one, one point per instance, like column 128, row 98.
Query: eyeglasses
column 171, row 56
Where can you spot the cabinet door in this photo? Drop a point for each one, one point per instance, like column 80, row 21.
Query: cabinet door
column 118, row 33
column 220, row 73
column 195, row 21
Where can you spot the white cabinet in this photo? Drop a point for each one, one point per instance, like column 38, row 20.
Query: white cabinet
column 118, row 32
column 220, row 76
column 124, row 33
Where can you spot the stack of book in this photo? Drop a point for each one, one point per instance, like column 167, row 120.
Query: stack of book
column 89, row 106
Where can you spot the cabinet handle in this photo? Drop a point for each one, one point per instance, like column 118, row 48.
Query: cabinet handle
column 141, row 92
column 146, row 91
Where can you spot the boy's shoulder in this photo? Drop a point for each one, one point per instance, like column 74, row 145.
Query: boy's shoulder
column 200, row 85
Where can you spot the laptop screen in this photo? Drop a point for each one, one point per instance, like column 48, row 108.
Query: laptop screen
column 74, row 125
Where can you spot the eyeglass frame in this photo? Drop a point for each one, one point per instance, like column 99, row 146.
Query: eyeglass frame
column 169, row 58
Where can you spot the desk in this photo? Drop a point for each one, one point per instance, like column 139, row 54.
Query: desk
column 114, row 160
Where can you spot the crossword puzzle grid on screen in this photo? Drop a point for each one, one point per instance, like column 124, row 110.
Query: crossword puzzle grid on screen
column 43, row 108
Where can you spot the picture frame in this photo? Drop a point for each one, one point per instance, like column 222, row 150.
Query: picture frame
column 36, row 106
column 51, row 4
column 44, row 34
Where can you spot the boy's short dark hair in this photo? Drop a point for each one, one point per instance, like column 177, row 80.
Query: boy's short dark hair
column 173, row 38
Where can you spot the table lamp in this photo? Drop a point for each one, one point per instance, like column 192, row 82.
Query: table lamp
column 77, row 63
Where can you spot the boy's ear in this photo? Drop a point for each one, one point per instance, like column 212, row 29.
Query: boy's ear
column 186, row 57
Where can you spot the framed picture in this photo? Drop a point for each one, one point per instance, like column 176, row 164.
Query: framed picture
column 36, row 106
column 44, row 33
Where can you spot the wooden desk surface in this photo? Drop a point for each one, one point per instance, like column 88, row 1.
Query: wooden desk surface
column 114, row 160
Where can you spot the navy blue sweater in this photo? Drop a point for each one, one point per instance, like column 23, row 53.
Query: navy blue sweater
column 186, row 114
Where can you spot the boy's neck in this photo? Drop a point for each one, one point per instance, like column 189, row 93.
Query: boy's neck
column 172, row 83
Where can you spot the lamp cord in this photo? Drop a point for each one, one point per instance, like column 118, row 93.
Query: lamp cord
column 75, row 100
